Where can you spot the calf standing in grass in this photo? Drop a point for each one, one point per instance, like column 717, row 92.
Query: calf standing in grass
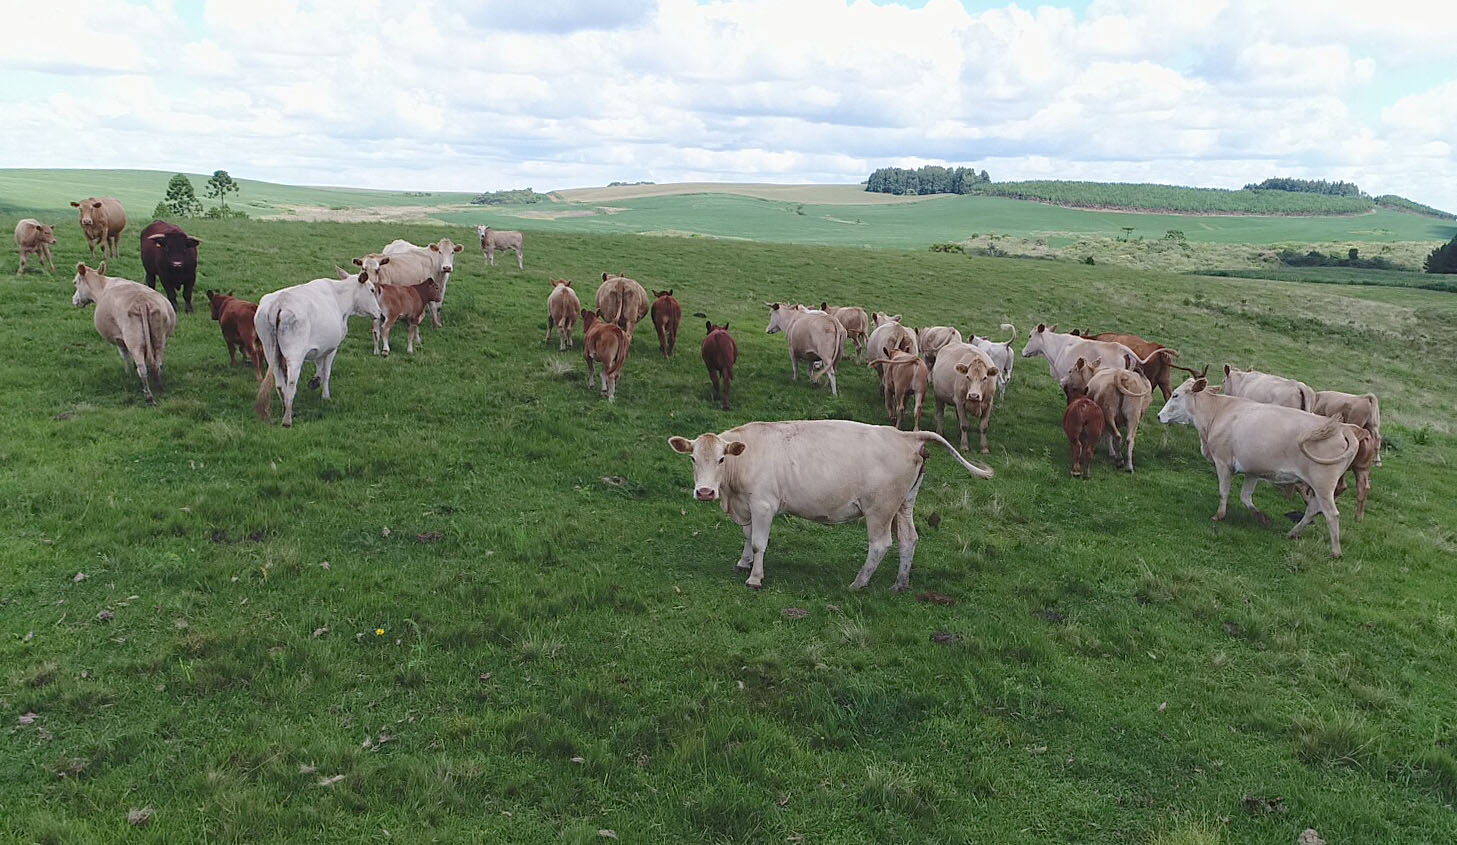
column 1083, row 424
column 133, row 317
column 607, row 344
column 904, row 374
column 1363, row 410
column 666, row 315
column 1124, row 396
column 856, row 323
column 408, row 301
column 562, row 307
column 719, row 354
column 35, row 237
column 235, row 317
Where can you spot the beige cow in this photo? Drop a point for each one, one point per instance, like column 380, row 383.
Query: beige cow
column 102, row 219
column 813, row 336
column 494, row 239
column 1122, row 394
column 905, row 374
column 888, row 336
column 622, row 301
column 1268, row 443
column 35, row 237
column 1363, row 410
column 827, row 471
column 1001, row 354
column 132, row 316
column 1063, row 350
column 930, row 340
column 1267, row 388
column 562, row 307
column 965, row 378
column 410, row 265
column 856, row 323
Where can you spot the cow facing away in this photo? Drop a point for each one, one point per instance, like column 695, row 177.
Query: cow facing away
column 1082, row 422
column 1122, row 394
column 605, row 343
column 905, row 375
column 307, row 322
column 856, row 323
column 1001, row 354
column 409, row 302
column 235, row 317
column 813, row 336
column 719, row 354
column 1267, row 388
column 102, row 220
column 1271, row 443
column 622, row 301
column 494, row 239
column 666, row 316
column 411, row 265
column 1363, row 410
column 888, row 336
column 930, row 340
column 170, row 254
column 562, row 307
column 33, row 237
column 965, row 378
column 826, row 471
column 132, row 317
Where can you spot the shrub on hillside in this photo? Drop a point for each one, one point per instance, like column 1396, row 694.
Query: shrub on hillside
column 1443, row 259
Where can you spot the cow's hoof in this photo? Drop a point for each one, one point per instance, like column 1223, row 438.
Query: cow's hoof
column 1219, row 517
column 385, row 354
column 986, row 451
column 899, row 587
column 288, row 423
column 1262, row 520
column 743, row 567
column 751, row 585
column 857, row 584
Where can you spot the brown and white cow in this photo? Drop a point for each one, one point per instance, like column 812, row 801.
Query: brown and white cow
column 1271, row 443
column 132, row 317
column 408, row 301
column 719, row 354
column 1363, row 410
column 1082, row 422
column 964, row 377
column 930, row 340
column 856, row 323
column 606, row 343
column 905, row 375
column 411, row 265
column 102, row 220
column 562, row 307
column 813, row 336
column 494, row 239
column 35, row 237
column 826, row 471
column 1267, row 388
column 1123, row 395
column 622, row 301
column 235, row 317
column 666, row 316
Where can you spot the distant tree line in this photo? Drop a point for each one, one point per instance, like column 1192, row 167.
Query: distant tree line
column 519, row 196
column 1315, row 258
column 628, row 184
column 1308, row 186
column 1443, row 259
column 931, row 179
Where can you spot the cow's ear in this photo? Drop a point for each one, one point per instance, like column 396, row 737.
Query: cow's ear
column 95, row 205
column 340, row 272
column 193, row 243
column 993, row 372
column 725, row 326
column 363, row 276
column 81, row 267
column 359, row 262
column 682, row 445
column 102, row 269
column 734, row 447
column 459, row 247
column 75, row 205
column 604, row 275
column 1041, row 327
column 230, row 293
column 384, row 261
column 1053, row 328
column 1226, row 371
column 567, row 282
column 774, row 307
column 708, row 326
column 1079, row 364
column 670, row 291
column 1200, row 384
column 961, row 368
column 435, row 247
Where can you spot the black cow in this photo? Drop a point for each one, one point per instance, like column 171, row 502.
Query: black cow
column 170, row 254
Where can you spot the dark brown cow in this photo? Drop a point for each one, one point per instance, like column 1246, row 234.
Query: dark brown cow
column 1083, row 424
column 719, row 354
column 169, row 254
column 235, row 317
column 666, row 315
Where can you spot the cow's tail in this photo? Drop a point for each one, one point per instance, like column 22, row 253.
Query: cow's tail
column 1307, row 398
column 933, row 437
column 149, row 357
column 263, row 404
column 619, row 357
column 1375, row 411
column 1162, row 350
column 1008, row 327
column 1324, row 431
column 1125, row 384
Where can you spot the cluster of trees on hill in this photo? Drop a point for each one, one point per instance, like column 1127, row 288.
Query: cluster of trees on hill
column 1443, row 259
column 181, row 200
column 931, row 179
column 1147, row 197
column 519, row 196
column 1315, row 258
column 1308, row 186
column 628, row 184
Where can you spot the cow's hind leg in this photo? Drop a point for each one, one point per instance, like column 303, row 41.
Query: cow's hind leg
column 878, row 526
column 326, row 366
column 905, row 536
column 135, row 352
column 1247, row 495
column 1226, row 478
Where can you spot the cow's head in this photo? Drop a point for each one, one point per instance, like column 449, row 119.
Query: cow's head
column 88, row 208
column 555, row 283
column 429, row 290
column 89, row 283
column 1180, row 407
column 878, row 320
column 176, row 248
column 47, row 233
column 447, row 250
column 712, row 328
column 218, row 301
column 978, row 381
column 364, row 292
column 1075, row 381
column 660, row 294
column 778, row 317
column 710, row 452
column 590, row 318
column 1037, row 341
column 483, row 232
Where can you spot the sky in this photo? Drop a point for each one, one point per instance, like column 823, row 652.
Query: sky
column 496, row 94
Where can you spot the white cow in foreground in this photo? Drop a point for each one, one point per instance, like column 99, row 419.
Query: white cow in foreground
column 1268, row 443
column 828, row 471
column 308, row 322
column 410, row 265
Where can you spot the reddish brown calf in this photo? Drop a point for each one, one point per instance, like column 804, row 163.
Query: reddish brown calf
column 235, row 317
column 607, row 344
column 719, row 354
column 1083, row 424
column 409, row 302
column 666, row 315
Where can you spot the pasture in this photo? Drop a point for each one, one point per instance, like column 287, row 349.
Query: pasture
column 469, row 600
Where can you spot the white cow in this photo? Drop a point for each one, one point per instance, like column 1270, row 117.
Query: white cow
column 494, row 239
column 827, row 471
column 1001, row 354
column 307, row 322
column 411, row 265
column 1063, row 350
column 1271, row 389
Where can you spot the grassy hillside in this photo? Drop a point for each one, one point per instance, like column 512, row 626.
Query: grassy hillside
column 468, row 600
column 1176, row 198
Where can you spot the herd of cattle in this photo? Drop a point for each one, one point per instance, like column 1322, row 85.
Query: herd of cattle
column 1264, row 426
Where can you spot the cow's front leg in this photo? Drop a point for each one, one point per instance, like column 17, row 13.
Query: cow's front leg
column 1226, row 476
column 374, row 330
column 986, row 419
column 759, row 526
column 1247, row 496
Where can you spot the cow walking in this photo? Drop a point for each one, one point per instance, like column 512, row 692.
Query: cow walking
column 35, row 237
column 719, row 354
column 813, row 336
column 605, row 343
column 170, row 255
column 622, row 301
column 409, row 302
column 494, row 239
column 562, row 307
column 666, row 315
column 102, row 220
column 905, row 375
column 132, row 317
column 1082, row 422
column 235, row 317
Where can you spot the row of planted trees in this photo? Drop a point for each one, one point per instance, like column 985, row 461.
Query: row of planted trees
column 181, row 200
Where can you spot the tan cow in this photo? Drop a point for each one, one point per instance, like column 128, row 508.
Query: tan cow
column 562, row 307
column 102, row 219
column 133, row 317
column 1267, row 443
column 1002, row 355
column 1267, row 388
column 1063, row 350
column 494, row 239
column 966, row 378
column 408, row 301
column 813, row 336
column 622, row 301
column 605, row 342
column 888, row 336
column 1363, row 410
column 930, row 340
column 33, row 236
column 827, row 471
column 411, row 265
column 905, row 374
column 1122, row 394
column 856, row 323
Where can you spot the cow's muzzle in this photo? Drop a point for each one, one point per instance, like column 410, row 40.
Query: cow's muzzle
column 705, row 494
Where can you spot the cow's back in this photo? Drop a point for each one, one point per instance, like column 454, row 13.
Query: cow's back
column 124, row 300
column 1269, row 389
column 819, row 333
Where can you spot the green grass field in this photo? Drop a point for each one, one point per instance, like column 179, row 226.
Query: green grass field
column 1348, row 276
column 468, row 600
